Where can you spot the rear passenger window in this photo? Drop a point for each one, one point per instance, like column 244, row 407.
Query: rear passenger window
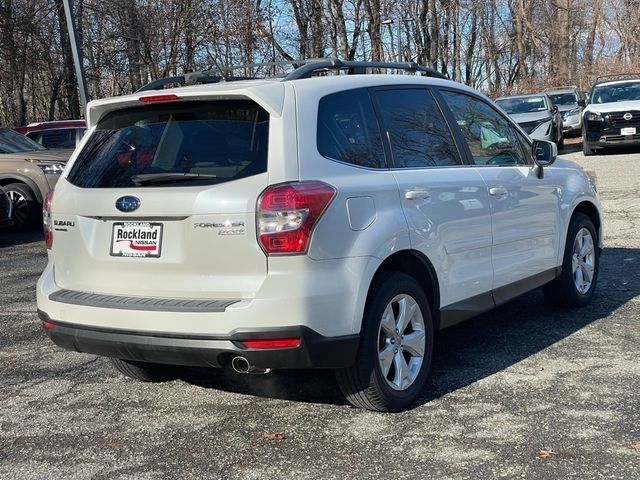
column 348, row 130
column 417, row 130
column 489, row 135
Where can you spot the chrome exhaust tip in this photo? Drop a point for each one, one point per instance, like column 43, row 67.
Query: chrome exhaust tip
column 241, row 365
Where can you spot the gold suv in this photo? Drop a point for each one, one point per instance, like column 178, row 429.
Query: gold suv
column 28, row 171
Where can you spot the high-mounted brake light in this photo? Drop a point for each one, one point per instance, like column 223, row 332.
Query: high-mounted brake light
column 286, row 214
column 159, row 98
column 264, row 344
column 47, row 223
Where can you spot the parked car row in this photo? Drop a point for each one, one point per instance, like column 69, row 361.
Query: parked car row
column 608, row 116
column 550, row 115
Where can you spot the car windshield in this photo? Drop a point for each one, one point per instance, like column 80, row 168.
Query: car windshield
column 517, row 105
column 618, row 92
column 568, row 98
column 13, row 142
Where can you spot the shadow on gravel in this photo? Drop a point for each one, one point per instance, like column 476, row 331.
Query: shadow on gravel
column 308, row 386
column 621, row 150
column 570, row 148
column 465, row 353
column 12, row 238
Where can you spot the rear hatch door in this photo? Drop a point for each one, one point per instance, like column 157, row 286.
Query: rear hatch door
column 161, row 201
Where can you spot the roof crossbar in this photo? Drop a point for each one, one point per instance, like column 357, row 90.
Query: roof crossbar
column 304, row 69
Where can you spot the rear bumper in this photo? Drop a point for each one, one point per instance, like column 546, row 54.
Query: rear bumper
column 326, row 296
column 314, row 351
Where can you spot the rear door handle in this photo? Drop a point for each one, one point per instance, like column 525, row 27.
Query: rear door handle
column 417, row 193
column 498, row 192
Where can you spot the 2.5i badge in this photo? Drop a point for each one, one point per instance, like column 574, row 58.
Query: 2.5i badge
column 136, row 239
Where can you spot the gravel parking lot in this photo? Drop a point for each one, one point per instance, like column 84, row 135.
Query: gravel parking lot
column 524, row 391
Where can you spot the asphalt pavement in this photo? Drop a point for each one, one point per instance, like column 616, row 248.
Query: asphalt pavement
column 525, row 391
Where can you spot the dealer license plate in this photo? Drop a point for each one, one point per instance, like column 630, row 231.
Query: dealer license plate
column 136, row 239
column 628, row 131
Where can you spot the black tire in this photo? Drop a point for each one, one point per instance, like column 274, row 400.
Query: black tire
column 27, row 211
column 146, row 372
column 364, row 384
column 563, row 290
column 587, row 151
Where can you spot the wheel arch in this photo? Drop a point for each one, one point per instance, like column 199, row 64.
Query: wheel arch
column 8, row 179
column 418, row 266
column 590, row 210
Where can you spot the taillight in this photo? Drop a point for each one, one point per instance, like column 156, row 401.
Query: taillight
column 47, row 223
column 48, row 325
column 286, row 214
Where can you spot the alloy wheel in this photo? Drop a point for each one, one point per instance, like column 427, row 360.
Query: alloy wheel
column 20, row 207
column 401, row 342
column 583, row 261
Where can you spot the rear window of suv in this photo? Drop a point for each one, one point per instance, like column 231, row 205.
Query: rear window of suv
column 185, row 143
column 348, row 129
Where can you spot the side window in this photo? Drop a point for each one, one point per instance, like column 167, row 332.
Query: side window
column 61, row 138
column 348, row 129
column 489, row 135
column 418, row 133
column 35, row 136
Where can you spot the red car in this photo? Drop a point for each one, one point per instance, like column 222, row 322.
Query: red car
column 58, row 135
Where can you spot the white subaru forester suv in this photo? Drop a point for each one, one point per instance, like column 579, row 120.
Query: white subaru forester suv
column 311, row 221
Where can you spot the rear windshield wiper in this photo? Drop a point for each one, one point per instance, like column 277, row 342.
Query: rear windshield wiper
column 168, row 177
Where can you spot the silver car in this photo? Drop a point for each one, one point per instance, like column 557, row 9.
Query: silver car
column 570, row 101
column 537, row 116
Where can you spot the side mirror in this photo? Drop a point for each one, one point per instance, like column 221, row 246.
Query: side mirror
column 544, row 153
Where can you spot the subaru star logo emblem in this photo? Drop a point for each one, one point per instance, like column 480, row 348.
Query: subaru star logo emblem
column 127, row 203
column 627, row 116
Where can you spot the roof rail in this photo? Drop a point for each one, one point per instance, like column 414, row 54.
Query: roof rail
column 354, row 67
column 620, row 76
column 221, row 74
column 304, row 69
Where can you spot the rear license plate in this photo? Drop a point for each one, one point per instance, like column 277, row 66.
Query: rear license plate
column 136, row 239
column 628, row 131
